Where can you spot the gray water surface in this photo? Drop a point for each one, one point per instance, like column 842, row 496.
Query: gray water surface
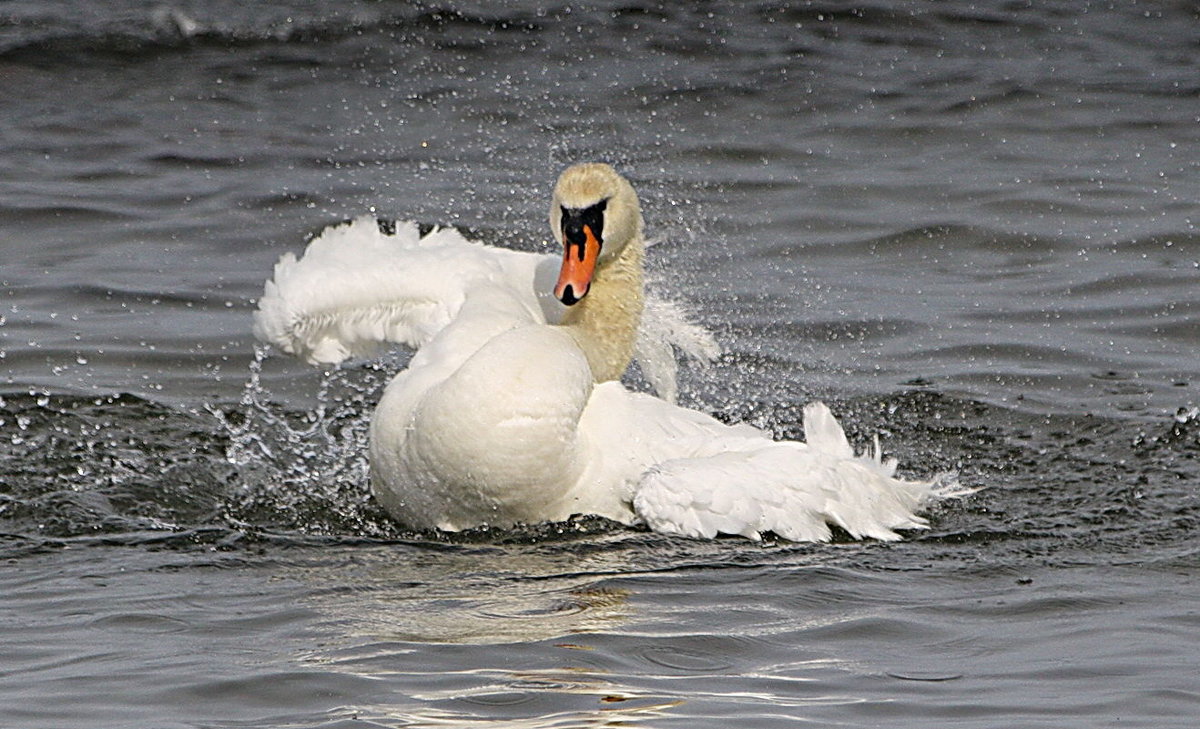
column 971, row 228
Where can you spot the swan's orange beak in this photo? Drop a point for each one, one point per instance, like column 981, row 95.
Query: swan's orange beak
column 580, row 254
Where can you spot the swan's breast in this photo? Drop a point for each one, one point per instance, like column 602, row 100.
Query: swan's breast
column 502, row 427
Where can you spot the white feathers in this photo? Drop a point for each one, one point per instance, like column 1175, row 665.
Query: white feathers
column 665, row 328
column 356, row 288
column 750, row 484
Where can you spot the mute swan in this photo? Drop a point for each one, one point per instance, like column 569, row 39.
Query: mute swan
column 511, row 409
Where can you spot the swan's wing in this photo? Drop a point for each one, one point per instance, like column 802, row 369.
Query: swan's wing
column 357, row 287
column 701, row 478
column 666, row 328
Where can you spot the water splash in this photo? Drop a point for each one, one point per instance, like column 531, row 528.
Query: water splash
column 307, row 470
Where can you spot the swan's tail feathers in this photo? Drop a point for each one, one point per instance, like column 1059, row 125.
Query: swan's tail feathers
column 665, row 327
column 797, row 491
column 824, row 433
column 947, row 486
column 362, row 284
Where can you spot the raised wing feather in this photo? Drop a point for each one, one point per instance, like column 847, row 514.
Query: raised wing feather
column 357, row 287
column 665, row 329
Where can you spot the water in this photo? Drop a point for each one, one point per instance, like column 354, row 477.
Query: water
column 971, row 228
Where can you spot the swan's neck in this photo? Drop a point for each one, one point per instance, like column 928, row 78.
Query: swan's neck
column 605, row 323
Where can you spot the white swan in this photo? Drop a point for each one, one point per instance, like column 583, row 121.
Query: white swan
column 512, row 411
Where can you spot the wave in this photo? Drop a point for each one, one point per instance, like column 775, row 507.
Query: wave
column 136, row 33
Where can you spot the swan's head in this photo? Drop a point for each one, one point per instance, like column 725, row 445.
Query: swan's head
column 594, row 214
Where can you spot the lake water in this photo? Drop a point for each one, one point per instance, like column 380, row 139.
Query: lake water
column 971, row 228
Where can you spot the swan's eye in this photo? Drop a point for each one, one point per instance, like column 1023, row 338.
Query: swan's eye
column 575, row 219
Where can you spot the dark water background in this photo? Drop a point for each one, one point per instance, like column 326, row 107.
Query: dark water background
column 969, row 226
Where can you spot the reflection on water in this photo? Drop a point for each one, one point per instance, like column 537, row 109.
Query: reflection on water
column 469, row 595
column 476, row 602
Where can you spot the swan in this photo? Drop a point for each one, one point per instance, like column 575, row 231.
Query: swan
column 511, row 409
